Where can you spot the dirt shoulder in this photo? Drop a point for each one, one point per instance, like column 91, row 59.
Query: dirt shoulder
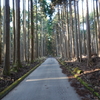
column 90, row 74
column 6, row 81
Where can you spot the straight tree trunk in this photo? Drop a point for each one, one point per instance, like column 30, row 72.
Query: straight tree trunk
column 44, row 42
column 32, row 33
column 95, row 28
column 73, row 43
column 56, row 40
column 0, row 35
column 76, row 36
column 98, row 27
column 99, row 24
column 99, row 10
column 84, row 43
column 67, row 34
column 71, row 30
column 64, row 29
column 88, row 34
column 79, row 34
column 42, row 32
column 14, row 31
column 24, row 29
column 6, row 70
column 37, row 42
column 60, row 34
column 59, row 43
column 28, row 30
column 18, row 33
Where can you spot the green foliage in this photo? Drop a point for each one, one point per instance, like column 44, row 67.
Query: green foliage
column 14, row 69
column 77, row 70
column 47, row 9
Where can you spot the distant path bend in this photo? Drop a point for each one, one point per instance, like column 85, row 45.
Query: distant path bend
column 47, row 82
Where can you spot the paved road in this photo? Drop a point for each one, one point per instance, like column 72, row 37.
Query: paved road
column 47, row 82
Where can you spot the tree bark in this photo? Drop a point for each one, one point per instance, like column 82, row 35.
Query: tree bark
column 95, row 28
column 79, row 34
column 42, row 33
column 71, row 31
column 98, row 27
column 88, row 35
column 76, row 36
column 18, row 63
column 37, row 43
column 84, row 42
column 6, row 70
column 28, row 30
column 14, row 31
column 0, row 35
column 32, row 33
column 67, row 34
column 24, row 29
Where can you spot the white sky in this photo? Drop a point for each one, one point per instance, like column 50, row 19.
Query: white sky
column 90, row 2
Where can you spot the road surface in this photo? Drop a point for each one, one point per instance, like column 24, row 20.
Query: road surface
column 47, row 82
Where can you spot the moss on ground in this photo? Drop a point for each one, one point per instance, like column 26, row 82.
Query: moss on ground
column 13, row 85
column 74, row 73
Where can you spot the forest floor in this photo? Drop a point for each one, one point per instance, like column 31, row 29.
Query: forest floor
column 90, row 74
column 5, row 81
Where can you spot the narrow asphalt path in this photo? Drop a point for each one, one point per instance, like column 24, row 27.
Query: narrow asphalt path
column 47, row 82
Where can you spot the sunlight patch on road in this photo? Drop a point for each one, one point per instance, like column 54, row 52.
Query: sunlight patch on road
column 44, row 79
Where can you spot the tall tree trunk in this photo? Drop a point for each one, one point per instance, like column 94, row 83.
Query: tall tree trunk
column 71, row 30
column 95, row 28
column 6, row 70
column 56, row 34
column 24, row 29
column 67, row 33
column 42, row 32
column 37, row 43
column 76, row 36
column 98, row 28
column 18, row 33
column 64, row 29
column 14, row 31
column 44, row 42
column 28, row 30
column 99, row 23
column 59, row 43
column 84, row 43
column 99, row 10
column 88, row 34
column 32, row 33
column 79, row 34
column 73, row 43
column 62, row 33
column 0, row 35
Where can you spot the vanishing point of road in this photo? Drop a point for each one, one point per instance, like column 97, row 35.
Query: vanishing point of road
column 47, row 82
